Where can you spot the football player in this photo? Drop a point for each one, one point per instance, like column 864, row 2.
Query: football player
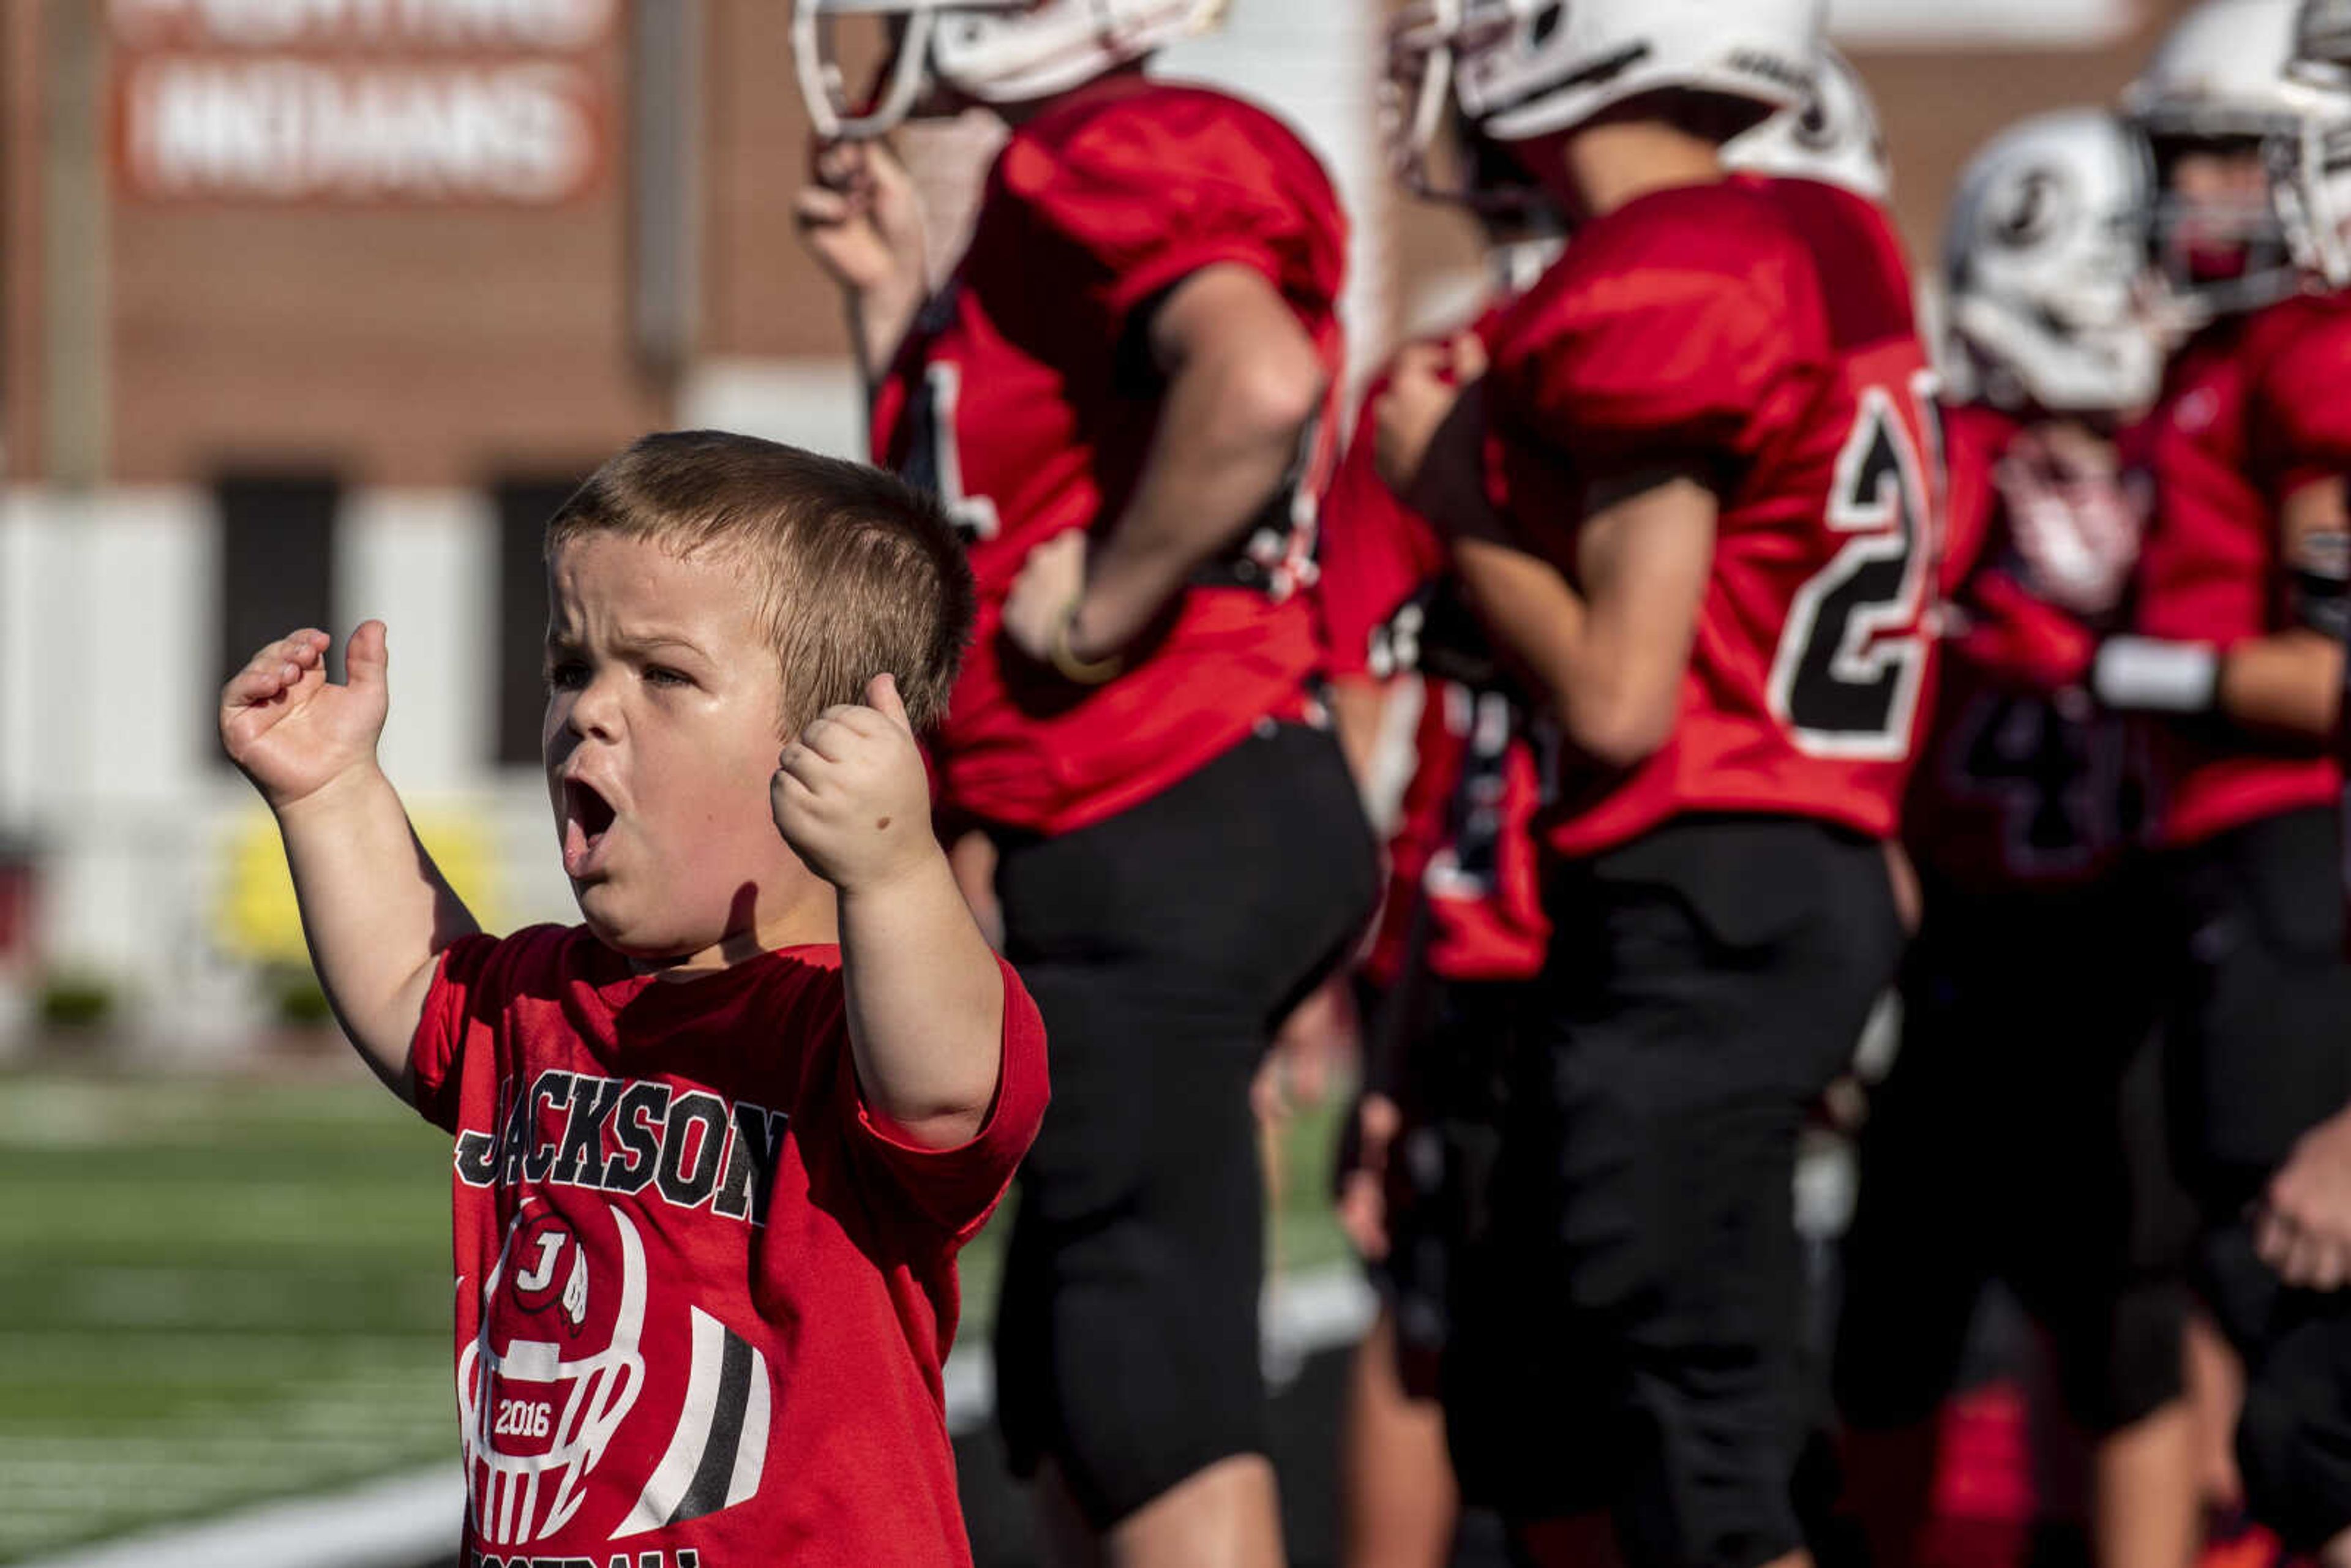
column 1693, row 491
column 1122, row 392
column 1461, row 926
column 2019, row 1135
column 2240, row 607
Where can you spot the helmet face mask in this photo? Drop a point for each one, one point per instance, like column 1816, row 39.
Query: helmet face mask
column 2229, row 116
column 949, row 52
column 1420, row 116
column 2313, row 175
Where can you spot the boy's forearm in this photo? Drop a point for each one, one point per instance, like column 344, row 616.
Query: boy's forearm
column 925, row 1005
column 376, row 912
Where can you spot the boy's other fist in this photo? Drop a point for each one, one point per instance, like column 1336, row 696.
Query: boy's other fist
column 850, row 796
column 860, row 218
column 291, row 730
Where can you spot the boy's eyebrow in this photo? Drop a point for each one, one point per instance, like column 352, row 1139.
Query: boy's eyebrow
column 652, row 641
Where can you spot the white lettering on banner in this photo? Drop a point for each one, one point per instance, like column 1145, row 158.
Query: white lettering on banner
column 406, row 24
column 287, row 129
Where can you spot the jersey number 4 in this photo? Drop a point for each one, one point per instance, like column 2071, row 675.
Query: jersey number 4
column 1852, row 659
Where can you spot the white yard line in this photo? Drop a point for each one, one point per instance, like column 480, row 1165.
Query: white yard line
column 403, row 1521
column 396, row 1522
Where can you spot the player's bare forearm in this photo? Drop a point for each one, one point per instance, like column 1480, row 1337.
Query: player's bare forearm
column 376, row 912
column 1611, row 657
column 1243, row 382
column 925, row 1003
column 1536, row 619
column 2285, row 688
column 878, row 320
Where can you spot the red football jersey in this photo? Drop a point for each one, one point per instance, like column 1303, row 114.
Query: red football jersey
column 1463, row 883
column 1761, row 329
column 1026, row 398
column 703, row 1298
column 2252, row 408
column 2017, row 791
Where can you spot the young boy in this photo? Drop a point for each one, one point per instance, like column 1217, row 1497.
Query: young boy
column 717, row 1146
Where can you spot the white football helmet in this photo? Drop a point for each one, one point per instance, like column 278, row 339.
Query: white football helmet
column 2221, row 75
column 1526, row 67
column 2317, row 187
column 990, row 51
column 1833, row 136
column 2044, row 269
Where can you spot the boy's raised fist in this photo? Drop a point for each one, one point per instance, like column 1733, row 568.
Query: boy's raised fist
column 851, row 795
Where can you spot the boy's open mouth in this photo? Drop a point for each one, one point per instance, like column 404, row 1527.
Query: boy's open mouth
column 587, row 816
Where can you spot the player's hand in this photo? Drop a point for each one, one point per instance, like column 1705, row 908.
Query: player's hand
column 1362, row 1202
column 2025, row 640
column 291, row 730
column 860, row 218
column 1053, row 578
column 1423, row 384
column 849, row 794
column 2303, row 1225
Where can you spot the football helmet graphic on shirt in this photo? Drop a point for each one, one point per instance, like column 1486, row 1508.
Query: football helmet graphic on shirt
column 1526, row 67
column 2044, row 269
column 560, row 1364
column 554, row 1371
column 989, row 51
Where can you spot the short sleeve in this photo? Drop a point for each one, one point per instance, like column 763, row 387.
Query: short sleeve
column 459, row 998
column 1376, row 553
column 959, row 1188
column 2302, row 403
column 1666, row 342
column 1152, row 188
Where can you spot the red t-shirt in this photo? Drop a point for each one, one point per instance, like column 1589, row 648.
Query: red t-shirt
column 2252, row 408
column 1026, row 397
column 1463, row 882
column 1762, row 330
column 703, row 1297
column 2018, row 790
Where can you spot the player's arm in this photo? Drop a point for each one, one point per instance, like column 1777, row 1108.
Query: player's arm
column 926, row 994
column 1242, row 380
column 376, row 912
column 1610, row 654
column 862, row 220
column 1612, row 657
column 2289, row 683
column 2284, row 686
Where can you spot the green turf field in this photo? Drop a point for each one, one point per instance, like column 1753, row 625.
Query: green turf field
column 219, row 1291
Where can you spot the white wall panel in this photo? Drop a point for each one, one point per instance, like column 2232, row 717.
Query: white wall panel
column 424, row 562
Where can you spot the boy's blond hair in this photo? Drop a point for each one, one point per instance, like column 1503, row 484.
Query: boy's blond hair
column 857, row 572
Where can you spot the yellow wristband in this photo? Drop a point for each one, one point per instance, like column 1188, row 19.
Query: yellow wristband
column 1084, row 672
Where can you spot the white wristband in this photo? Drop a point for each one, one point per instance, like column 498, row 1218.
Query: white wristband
column 2147, row 675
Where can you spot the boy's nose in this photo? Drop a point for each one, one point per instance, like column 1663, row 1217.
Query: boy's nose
column 595, row 712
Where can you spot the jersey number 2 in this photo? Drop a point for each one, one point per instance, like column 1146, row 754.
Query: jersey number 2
column 1852, row 656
